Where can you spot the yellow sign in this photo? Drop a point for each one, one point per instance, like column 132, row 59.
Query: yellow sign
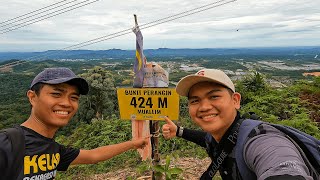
column 148, row 103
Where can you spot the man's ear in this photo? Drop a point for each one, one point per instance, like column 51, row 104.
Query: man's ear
column 31, row 96
column 236, row 100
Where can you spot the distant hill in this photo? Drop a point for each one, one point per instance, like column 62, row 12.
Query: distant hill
column 161, row 52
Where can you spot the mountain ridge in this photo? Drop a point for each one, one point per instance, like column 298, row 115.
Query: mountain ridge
column 160, row 52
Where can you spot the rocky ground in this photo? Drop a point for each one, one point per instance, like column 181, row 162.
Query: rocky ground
column 192, row 170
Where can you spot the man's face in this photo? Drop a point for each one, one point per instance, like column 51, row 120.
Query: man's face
column 213, row 107
column 55, row 105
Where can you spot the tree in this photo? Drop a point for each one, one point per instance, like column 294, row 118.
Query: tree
column 251, row 85
column 101, row 101
column 255, row 82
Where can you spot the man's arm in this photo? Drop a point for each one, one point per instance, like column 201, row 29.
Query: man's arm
column 106, row 152
column 169, row 130
column 195, row 136
column 273, row 156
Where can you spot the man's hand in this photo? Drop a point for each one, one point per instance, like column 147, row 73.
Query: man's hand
column 169, row 129
column 140, row 143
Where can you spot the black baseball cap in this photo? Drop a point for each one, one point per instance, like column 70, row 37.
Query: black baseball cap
column 61, row 75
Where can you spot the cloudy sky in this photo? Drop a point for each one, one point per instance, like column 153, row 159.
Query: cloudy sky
column 242, row 23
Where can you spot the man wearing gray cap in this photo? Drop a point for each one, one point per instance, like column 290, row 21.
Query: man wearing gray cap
column 54, row 97
column 213, row 105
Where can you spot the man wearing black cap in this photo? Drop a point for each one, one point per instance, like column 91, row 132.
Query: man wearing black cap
column 54, row 96
column 213, row 105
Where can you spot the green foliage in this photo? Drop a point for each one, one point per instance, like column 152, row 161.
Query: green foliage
column 181, row 147
column 296, row 105
column 251, row 85
column 177, row 75
column 302, row 123
column 102, row 132
column 278, row 103
column 96, row 134
column 307, row 86
column 284, row 106
column 101, row 102
column 255, row 82
column 99, row 133
column 316, row 82
column 14, row 104
column 12, row 61
column 144, row 167
column 167, row 171
column 184, row 111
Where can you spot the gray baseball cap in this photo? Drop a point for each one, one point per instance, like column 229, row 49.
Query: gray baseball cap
column 61, row 75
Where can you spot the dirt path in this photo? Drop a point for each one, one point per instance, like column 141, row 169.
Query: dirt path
column 192, row 170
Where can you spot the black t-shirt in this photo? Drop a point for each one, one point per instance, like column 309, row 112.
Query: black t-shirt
column 43, row 156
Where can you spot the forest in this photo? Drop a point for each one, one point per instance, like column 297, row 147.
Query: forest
column 97, row 122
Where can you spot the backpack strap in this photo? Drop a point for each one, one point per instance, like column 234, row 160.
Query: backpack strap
column 246, row 127
column 16, row 137
column 222, row 150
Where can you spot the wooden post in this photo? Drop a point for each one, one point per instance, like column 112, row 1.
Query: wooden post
column 156, row 76
column 140, row 128
column 148, row 75
column 135, row 20
column 155, row 131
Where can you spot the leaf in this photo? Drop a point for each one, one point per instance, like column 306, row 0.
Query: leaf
column 158, row 174
column 174, row 176
column 159, row 168
column 175, row 171
column 168, row 176
column 167, row 163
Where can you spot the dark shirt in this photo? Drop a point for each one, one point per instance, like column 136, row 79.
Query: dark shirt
column 269, row 159
column 43, row 156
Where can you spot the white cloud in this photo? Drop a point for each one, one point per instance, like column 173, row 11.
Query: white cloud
column 241, row 23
